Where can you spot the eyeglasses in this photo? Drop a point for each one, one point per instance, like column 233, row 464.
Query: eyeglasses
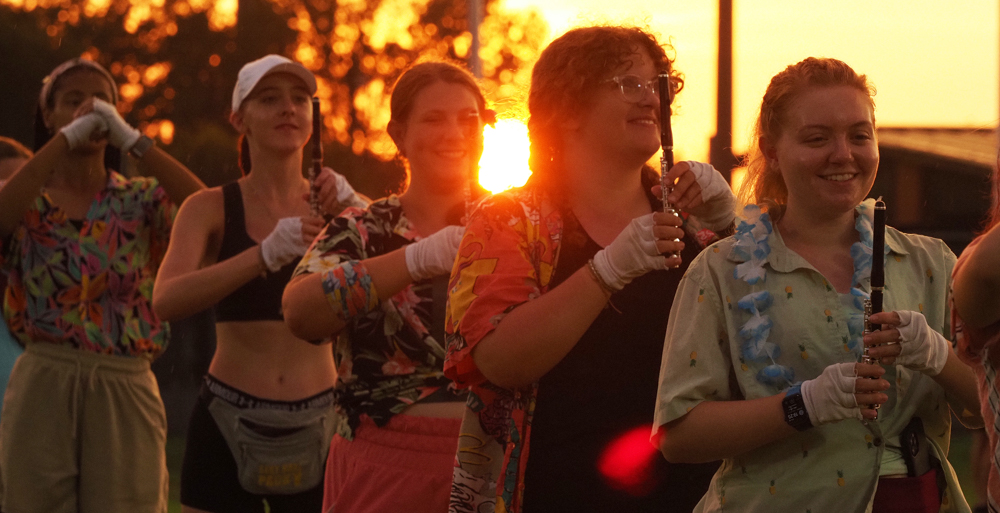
column 634, row 88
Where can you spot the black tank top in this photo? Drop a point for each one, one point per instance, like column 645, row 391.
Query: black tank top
column 605, row 387
column 260, row 298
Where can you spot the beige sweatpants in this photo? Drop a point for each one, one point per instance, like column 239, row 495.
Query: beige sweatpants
column 82, row 432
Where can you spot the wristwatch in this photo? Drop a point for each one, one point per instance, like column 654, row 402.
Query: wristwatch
column 795, row 408
column 141, row 147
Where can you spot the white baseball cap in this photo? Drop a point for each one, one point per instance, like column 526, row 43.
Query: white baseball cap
column 252, row 72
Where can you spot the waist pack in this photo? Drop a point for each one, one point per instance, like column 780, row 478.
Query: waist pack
column 276, row 452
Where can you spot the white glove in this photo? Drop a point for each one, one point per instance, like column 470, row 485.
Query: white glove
column 632, row 254
column 346, row 195
column 830, row 396
column 284, row 244
column 718, row 208
column 923, row 349
column 434, row 255
column 120, row 134
column 80, row 130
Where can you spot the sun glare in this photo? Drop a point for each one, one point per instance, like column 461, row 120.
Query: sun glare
column 504, row 163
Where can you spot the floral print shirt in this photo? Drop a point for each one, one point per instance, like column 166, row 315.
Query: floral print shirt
column 389, row 359
column 980, row 348
column 507, row 257
column 89, row 283
column 832, row 467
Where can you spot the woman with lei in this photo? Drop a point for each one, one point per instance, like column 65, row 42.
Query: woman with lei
column 764, row 372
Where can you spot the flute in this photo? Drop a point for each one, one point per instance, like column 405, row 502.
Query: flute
column 873, row 305
column 667, row 143
column 317, row 159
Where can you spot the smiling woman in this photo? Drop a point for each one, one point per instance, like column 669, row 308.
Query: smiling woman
column 375, row 282
column 761, row 360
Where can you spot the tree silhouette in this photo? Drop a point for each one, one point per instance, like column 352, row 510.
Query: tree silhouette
column 176, row 62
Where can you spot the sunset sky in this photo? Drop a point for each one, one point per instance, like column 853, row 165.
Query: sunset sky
column 933, row 64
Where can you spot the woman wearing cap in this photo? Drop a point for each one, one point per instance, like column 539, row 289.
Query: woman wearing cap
column 259, row 431
column 379, row 276
column 84, row 428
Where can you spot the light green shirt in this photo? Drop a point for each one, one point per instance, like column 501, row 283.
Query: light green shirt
column 833, row 467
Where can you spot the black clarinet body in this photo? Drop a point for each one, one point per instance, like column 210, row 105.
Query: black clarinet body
column 317, row 158
column 667, row 143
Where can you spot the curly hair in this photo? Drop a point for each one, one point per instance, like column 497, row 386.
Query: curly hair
column 565, row 78
column 764, row 185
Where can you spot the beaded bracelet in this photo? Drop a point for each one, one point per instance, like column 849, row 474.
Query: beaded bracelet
column 597, row 277
column 349, row 289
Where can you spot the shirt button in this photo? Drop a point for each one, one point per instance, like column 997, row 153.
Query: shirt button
column 877, row 441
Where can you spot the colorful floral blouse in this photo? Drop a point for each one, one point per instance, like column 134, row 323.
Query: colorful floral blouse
column 714, row 355
column 389, row 358
column 507, row 257
column 89, row 283
column 980, row 348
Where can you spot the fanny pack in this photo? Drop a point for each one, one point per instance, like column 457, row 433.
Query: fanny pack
column 276, row 451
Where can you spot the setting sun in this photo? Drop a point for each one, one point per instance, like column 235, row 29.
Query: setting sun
column 504, row 163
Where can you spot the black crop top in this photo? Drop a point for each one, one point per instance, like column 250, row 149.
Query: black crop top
column 260, row 298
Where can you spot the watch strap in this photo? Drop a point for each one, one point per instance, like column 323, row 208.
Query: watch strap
column 794, row 408
column 140, row 147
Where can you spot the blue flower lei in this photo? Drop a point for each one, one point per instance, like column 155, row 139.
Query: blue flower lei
column 752, row 247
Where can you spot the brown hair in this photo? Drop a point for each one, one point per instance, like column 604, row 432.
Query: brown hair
column 993, row 214
column 764, row 185
column 565, row 78
column 11, row 149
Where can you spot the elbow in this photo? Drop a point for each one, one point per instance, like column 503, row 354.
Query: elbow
column 164, row 308
column 305, row 322
column 676, row 448
column 500, row 373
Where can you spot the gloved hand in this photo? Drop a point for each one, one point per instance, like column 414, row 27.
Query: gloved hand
column 284, row 244
column 922, row 349
column 120, row 133
column 718, row 208
column 834, row 395
column 634, row 252
column 335, row 193
column 434, row 255
column 82, row 129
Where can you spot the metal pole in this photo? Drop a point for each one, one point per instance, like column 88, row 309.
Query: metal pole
column 475, row 14
column 720, row 146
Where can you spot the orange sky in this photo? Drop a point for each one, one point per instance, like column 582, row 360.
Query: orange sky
column 933, row 64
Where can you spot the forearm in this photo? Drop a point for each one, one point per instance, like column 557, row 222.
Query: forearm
column 537, row 335
column 959, row 381
column 977, row 283
column 174, row 177
column 17, row 195
column 308, row 312
column 184, row 295
column 715, row 430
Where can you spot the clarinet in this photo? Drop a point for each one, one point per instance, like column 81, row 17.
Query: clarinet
column 317, row 158
column 873, row 305
column 667, row 143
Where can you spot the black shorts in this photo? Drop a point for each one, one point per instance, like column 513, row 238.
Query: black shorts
column 209, row 477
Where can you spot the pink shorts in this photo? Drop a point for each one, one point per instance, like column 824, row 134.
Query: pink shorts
column 405, row 466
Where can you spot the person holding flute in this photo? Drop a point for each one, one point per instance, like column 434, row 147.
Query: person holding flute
column 375, row 283
column 761, row 360
column 976, row 327
column 559, row 293
column 258, row 434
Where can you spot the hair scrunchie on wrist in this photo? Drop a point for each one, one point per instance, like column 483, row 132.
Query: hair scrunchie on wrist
column 349, row 289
